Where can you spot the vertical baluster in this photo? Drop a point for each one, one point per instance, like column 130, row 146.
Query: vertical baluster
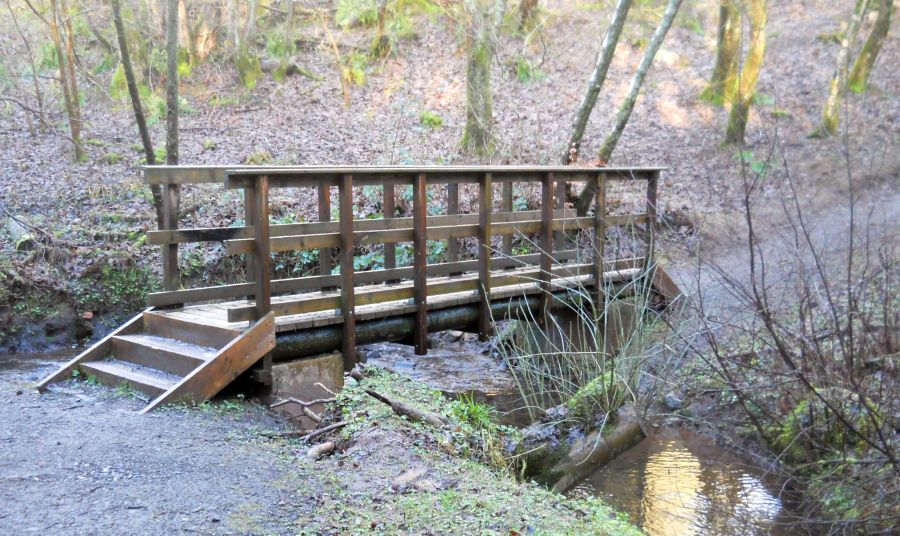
column 507, row 206
column 485, row 206
column 171, row 276
column 559, row 240
column 420, row 261
column 546, row 247
column 599, row 239
column 250, row 220
column 345, row 206
column 325, row 215
column 650, row 234
column 452, row 209
column 389, row 209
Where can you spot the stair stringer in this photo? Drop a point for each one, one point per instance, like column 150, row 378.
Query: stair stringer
column 229, row 363
column 99, row 350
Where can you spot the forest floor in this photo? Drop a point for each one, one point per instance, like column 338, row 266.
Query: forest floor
column 81, row 460
column 95, row 261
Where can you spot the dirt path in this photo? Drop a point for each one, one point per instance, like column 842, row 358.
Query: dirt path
column 80, row 460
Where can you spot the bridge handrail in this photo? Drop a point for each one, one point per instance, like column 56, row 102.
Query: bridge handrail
column 257, row 238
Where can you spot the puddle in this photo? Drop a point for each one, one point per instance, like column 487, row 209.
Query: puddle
column 25, row 362
column 680, row 483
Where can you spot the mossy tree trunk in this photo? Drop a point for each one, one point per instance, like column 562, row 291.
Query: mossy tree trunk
column 723, row 83
column 479, row 133
column 595, row 84
column 757, row 12
column 862, row 67
column 627, row 106
column 139, row 117
column 838, row 87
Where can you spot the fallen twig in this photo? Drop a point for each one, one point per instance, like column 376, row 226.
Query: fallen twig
column 413, row 414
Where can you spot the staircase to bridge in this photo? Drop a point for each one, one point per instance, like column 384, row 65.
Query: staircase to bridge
column 192, row 342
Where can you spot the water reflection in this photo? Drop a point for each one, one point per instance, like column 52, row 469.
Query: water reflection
column 678, row 483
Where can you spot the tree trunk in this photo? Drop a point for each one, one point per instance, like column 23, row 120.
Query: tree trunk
column 73, row 83
column 862, row 68
column 746, row 83
column 479, row 133
column 172, row 83
column 831, row 113
column 604, row 59
column 172, row 95
column 136, row 105
column 625, row 109
column 527, row 9
column 74, row 127
column 723, row 84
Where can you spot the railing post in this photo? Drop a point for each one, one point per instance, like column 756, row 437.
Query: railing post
column 546, row 247
column 599, row 239
column 171, row 276
column 506, row 203
column 324, row 216
column 390, row 211
column 420, row 262
column 348, row 306
column 485, row 205
column 262, row 262
column 452, row 209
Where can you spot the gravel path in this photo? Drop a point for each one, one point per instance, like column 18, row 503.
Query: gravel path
column 80, row 460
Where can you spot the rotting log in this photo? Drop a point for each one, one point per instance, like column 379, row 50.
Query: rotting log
column 22, row 238
column 318, row 340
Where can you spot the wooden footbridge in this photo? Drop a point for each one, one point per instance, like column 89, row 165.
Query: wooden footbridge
column 192, row 342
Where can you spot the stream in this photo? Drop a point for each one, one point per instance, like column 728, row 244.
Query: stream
column 673, row 483
column 680, row 483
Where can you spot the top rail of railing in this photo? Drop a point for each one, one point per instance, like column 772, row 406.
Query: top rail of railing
column 363, row 175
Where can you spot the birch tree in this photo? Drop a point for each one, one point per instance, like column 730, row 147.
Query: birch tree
column 757, row 12
column 595, row 84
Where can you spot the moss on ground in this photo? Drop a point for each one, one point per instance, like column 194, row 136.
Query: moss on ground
column 462, row 490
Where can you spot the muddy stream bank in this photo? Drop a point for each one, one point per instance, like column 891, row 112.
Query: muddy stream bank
column 674, row 482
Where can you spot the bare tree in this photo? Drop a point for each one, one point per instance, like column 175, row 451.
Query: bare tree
column 139, row 117
column 757, row 12
column 38, row 93
column 601, row 67
column 583, row 203
column 723, row 83
column 862, row 67
column 66, row 71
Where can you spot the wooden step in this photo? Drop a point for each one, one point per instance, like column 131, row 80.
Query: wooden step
column 168, row 355
column 114, row 372
column 192, row 332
